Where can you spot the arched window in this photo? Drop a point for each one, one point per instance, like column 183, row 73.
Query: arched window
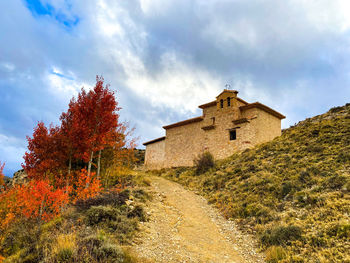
column 221, row 103
column 228, row 102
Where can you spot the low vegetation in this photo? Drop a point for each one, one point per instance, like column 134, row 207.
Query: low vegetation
column 93, row 230
column 292, row 192
column 204, row 162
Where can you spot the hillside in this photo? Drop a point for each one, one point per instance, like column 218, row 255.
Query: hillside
column 97, row 229
column 292, row 193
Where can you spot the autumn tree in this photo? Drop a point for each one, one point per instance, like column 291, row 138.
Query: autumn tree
column 96, row 114
column 90, row 125
column 74, row 135
column 45, row 151
column 36, row 160
column 2, row 176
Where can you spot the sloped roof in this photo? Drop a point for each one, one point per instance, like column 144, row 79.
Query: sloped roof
column 180, row 123
column 155, row 140
column 228, row 90
column 262, row 107
column 213, row 103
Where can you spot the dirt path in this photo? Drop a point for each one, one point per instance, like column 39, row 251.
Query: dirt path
column 184, row 228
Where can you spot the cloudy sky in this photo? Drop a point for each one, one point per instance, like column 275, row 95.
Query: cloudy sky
column 165, row 57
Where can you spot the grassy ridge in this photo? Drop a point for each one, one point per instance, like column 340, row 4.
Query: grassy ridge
column 292, row 192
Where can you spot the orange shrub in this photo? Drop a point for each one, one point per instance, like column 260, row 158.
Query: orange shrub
column 87, row 186
column 39, row 199
column 36, row 200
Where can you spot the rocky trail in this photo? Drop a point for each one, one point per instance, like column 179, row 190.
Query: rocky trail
column 183, row 228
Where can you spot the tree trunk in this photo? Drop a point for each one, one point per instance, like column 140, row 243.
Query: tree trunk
column 90, row 162
column 99, row 164
column 41, row 211
column 70, row 163
column 107, row 178
column 69, row 171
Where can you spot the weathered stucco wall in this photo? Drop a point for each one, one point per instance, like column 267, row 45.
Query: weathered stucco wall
column 183, row 144
column 155, row 155
column 268, row 127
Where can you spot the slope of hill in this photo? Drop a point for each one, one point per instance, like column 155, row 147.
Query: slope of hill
column 98, row 229
column 292, row 192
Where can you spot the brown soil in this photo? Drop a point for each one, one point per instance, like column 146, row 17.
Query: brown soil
column 184, row 228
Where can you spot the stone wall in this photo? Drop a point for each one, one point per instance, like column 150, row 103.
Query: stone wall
column 155, row 155
column 268, row 127
column 184, row 143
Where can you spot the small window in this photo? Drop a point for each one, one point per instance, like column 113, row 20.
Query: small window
column 228, row 102
column 233, row 135
column 221, row 104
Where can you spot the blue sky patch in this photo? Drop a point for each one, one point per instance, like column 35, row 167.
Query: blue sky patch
column 37, row 8
column 55, row 72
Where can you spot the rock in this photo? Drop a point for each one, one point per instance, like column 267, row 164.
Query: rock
column 19, row 177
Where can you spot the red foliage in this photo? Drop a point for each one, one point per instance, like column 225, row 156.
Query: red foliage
column 45, row 155
column 75, row 137
column 89, row 125
column 87, row 186
column 2, row 182
column 96, row 116
column 35, row 200
column 40, row 200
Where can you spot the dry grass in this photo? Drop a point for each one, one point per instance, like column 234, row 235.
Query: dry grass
column 96, row 230
column 292, row 192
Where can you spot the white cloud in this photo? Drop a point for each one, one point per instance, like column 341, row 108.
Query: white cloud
column 7, row 66
column 62, row 87
column 177, row 85
column 11, row 151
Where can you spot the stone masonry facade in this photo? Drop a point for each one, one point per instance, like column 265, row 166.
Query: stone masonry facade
column 227, row 125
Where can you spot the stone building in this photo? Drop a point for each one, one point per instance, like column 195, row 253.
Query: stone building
column 227, row 125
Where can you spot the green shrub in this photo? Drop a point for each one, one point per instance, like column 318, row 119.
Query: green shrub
column 280, row 235
column 336, row 109
column 109, row 198
column 286, row 189
column 141, row 194
column 304, row 177
column 64, row 255
column 100, row 250
column 335, row 182
column 262, row 213
column 137, row 211
column 110, row 253
column 341, row 230
column 90, row 242
column 101, row 214
column 343, row 157
column 20, row 237
column 204, row 162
